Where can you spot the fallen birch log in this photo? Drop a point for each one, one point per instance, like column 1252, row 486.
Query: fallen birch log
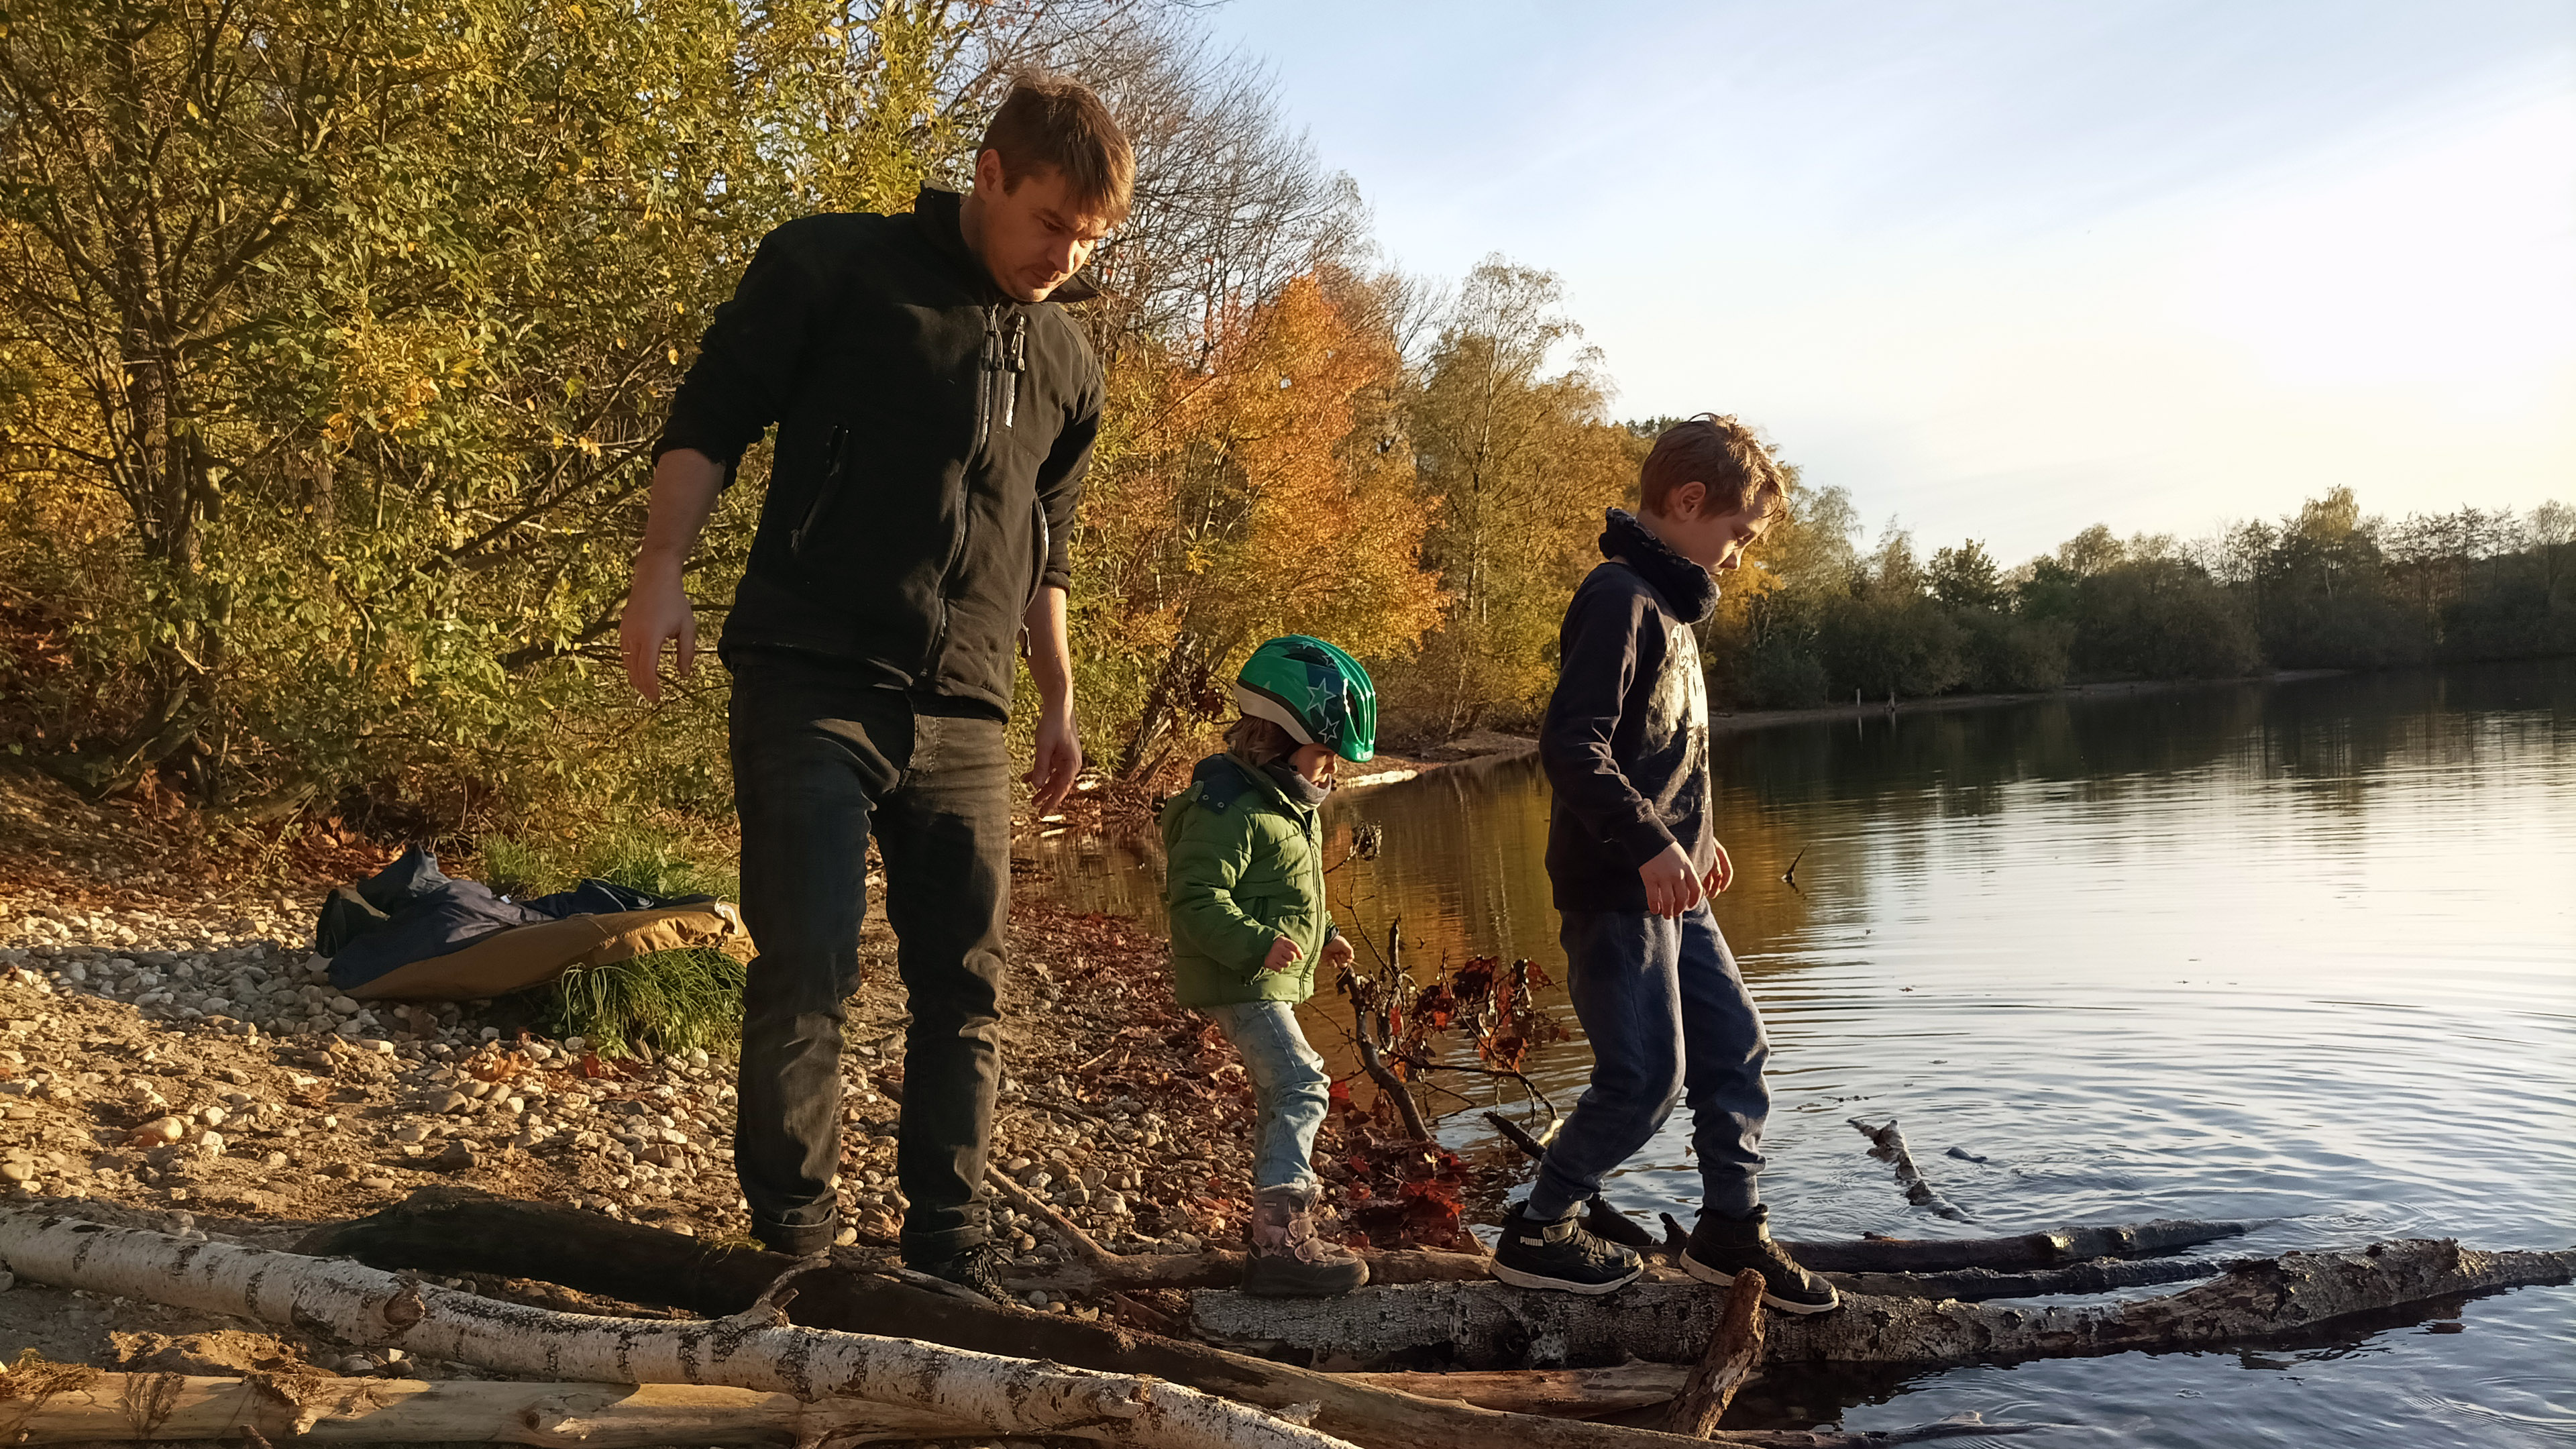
column 68, row 1403
column 1488, row 1325
column 74, row 1404
column 455, row 1230
column 1888, row 1146
column 753, row 1350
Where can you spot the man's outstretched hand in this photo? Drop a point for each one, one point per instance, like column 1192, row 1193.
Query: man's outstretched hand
column 1059, row 760
column 657, row 613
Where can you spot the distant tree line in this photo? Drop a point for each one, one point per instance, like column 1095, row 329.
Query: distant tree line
column 1816, row 619
column 333, row 334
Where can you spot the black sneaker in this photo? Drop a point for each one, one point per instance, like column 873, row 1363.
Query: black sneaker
column 1563, row 1256
column 975, row 1269
column 1721, row 1247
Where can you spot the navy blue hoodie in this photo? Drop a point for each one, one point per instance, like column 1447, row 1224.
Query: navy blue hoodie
column 1625, row 738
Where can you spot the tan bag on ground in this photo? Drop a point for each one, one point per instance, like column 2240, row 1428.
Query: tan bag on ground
column 533, row 955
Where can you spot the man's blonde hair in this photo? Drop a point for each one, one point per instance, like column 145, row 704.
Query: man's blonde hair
column 1050, row 121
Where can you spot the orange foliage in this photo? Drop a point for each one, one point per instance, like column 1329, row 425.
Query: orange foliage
column 1234, row 504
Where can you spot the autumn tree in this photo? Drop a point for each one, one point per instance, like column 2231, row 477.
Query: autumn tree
column 1236, row 513
column 1521, row 462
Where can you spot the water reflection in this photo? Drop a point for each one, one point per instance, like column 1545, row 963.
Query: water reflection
column 2304, row 951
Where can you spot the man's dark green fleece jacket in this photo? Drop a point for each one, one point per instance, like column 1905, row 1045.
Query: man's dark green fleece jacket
column 932, row 439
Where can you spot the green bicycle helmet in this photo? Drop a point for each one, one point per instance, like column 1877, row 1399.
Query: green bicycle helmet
column 1317, row 693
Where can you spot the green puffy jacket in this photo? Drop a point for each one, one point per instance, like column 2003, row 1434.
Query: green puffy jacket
column 1244, row 867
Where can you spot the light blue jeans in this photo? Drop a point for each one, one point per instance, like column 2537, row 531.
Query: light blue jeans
column 1289, row 1088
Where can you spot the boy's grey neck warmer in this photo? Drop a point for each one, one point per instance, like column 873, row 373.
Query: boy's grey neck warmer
column 1295, row 786
column 1688, row 588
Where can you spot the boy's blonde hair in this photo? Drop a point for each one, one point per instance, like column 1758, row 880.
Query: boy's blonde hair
column 1716, row 450
column 1258, row 742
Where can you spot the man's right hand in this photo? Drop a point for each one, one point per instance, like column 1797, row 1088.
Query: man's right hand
column 657, row 612
column 1672, row 887
column 685, row 484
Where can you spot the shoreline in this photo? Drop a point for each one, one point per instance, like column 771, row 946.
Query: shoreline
column 1754, row 719
column 1482, row 745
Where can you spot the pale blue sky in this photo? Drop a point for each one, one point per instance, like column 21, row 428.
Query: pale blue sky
column 2007, row 269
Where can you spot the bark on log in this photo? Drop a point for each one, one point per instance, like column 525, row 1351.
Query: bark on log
column 1888, row 1146
column 1557, row 1393
column 71, row 1404
column 454, row 1230
column 1491, row 1326
column 2053, row 1249
column 67, row 1404
column 363, row 1305
column 1975, row 1285
column 1733, row 1353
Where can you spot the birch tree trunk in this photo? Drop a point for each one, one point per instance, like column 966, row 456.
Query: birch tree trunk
column 753, row 1350
column 1488, row 1326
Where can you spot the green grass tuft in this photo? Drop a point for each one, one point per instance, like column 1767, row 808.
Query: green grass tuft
column 515, row 868
column 644, row 860
column 672, row 1001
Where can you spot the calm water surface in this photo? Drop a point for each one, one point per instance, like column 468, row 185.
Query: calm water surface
column 2303, row 951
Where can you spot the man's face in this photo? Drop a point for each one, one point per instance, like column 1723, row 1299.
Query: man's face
column 1032, row 239
column 1716, row 542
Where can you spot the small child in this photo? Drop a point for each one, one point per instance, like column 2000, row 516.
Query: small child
column 1634, row 861
column 1244, row 883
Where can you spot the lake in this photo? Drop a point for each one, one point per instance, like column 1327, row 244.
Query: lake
column 2303, row 951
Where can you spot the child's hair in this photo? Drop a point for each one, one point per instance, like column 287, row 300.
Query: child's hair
column 1257, row 741
column 1715, row 450
column 1050, row 121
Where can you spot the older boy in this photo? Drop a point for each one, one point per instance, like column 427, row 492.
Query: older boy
column 935, row 413
column 1633, row 862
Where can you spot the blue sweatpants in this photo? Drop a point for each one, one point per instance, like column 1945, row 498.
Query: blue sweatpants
column 1667, row 1014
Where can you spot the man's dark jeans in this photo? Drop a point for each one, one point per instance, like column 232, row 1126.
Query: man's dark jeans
column 1666, row 1011
column 820, row 758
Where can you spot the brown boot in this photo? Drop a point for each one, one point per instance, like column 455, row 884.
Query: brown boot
column 1289, row 1259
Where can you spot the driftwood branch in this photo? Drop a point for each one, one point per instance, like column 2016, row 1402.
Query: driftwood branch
column 1733, row 1353
column 1888, row 1146
column 2056, row 1248
column 1067, row 1231
column 1370, row 1061
column 1976, row 1285
column 70, row 1405
column 361, row 1305
column 451, row 1230
column 1488, row 1325
column 66, row 1403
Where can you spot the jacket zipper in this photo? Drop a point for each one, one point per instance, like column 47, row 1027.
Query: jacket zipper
column 1015, row 361
column 988, row 360
column 834, row 455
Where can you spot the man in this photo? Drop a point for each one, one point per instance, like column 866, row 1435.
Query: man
column 935, row 415
column 1634, row 858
